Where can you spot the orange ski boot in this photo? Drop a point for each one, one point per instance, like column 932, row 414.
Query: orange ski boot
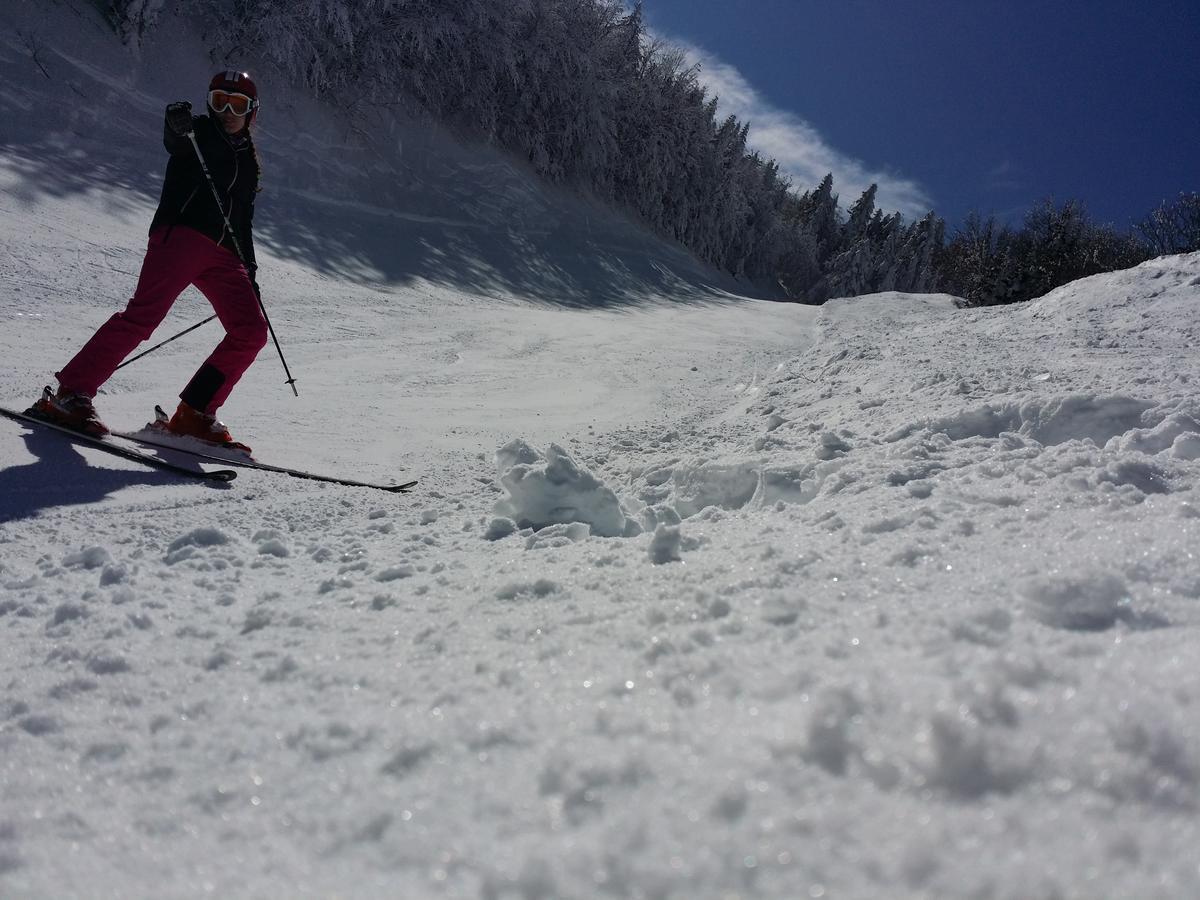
column 70, row 410
column 189, row 422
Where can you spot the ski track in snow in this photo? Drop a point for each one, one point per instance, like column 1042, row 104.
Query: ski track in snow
column 705, row 599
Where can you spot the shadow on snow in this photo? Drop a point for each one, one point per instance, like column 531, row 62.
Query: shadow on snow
column 62, row 476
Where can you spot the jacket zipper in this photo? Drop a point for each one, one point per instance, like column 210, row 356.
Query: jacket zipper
column 171, row 227
column 188, row 200
column 232, row 182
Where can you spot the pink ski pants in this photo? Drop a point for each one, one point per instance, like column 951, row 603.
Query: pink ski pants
column 175, row 258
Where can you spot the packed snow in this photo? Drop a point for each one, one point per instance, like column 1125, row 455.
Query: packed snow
column 699, row 595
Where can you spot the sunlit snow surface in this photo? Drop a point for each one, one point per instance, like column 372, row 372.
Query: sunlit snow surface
column 899, row 598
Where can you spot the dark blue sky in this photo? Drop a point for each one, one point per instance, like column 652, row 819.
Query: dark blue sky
column 987, row 105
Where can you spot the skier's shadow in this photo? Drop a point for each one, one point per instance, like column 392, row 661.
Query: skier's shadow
column 63, row 476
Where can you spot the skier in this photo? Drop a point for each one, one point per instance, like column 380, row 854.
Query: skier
column 189, row 244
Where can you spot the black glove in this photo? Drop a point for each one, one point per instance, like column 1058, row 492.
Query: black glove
column 179, row 117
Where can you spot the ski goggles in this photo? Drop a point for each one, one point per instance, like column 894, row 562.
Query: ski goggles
column 238, row 104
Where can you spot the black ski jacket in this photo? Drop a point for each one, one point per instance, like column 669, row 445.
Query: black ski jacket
column 187, row 198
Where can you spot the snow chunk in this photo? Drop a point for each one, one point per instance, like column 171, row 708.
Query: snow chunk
column 256, row 620
column 558, row 536
column 727, row 485
column 68, row 612
column 394, row 573
column 1166, row 435
column 829, row 743
column 1088, row 602
column 1186, row 446
column 39, row 725
column 553, row 489
column 793, row 484
column 1145, row 477
column 517, row 453
column 1080, row 417
column 1156, row 765
column 664, row 546
column 274, row 547
column 970, row 760
column 107, row 664
column 113, row 574
column 830, row 446
column 499, row 527
column 270, row 543
column 542, row 587
column 200, row 537
column 88, row 558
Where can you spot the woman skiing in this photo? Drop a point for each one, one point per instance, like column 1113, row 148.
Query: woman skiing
column 189, row 244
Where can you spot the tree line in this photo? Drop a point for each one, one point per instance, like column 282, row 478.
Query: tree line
column 581, row 90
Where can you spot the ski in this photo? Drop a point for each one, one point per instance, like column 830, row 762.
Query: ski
column 115, row 449
column 247, row 463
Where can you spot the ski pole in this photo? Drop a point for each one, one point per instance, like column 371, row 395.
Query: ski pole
column 238, row 247
column 164, row 343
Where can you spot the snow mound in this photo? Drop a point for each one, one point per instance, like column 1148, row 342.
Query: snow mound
column 1155, row 300
column 728, row 485
column 1088, row 602
column 551, row 488
column 1178, row 434
column 1052, row 420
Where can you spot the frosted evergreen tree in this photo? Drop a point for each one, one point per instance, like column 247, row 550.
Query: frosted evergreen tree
column 579, row 89
column 820, row 208
column 859, row 217
column 134, row 18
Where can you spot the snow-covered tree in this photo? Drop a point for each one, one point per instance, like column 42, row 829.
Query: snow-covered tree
column 988, row 264
column 134, row 18
column 1173, row 227
column 580, row 90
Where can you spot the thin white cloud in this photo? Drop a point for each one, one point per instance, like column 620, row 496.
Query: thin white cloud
column 801, row 152
column 1005, row 176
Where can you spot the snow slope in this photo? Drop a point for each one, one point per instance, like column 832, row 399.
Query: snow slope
column 700, row 596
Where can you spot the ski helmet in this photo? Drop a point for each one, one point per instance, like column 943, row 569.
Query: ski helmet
column 236, row 83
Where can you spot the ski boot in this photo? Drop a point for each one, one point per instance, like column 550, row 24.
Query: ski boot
column 70, row 410
column 189, row 422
